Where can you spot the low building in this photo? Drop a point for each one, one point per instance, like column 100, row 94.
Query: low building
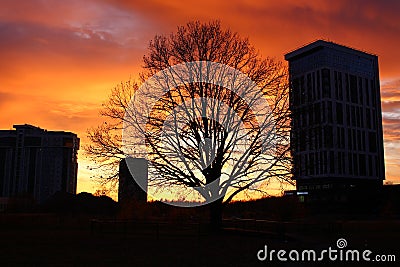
column 133, row 175
column 36, row 163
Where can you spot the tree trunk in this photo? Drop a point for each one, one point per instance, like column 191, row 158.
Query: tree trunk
column 215, row 209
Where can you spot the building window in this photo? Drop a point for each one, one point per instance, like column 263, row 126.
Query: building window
column 302, row 142
column 330, row 116
column 361, row 113
column 343, row 138
column 347, row 87
column 355, row 162
column 318, row 85
column 372, row 141
column 373, row 119
column 310, row 138
column 368, row 119
column 349, row 139
column 319, row 137
column 312, row 165
column 339, row 113
column 340, row 137
column 309, row 89
column 363, row 166
column 363, row 141
column 331, row 162
column 343, row 161
column 353, row 89
column 359, row 140
column 326, row 83
column 360, row 91
column 328, row 136
column 339, row 161
column 340, row 86
column 353, row 116
column 317, row 111
column 296, row 92
column 350, row 160
column 373, row 93
column 311, row 114
column 306, row 165
column 371, row 166
column 335, row 77
column 302, row 91
column 367, row 92
column 325, row 162
column 314, row 86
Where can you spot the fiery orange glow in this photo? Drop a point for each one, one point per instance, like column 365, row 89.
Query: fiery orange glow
column 59, row 59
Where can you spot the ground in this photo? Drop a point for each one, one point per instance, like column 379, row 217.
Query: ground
column 54, row 240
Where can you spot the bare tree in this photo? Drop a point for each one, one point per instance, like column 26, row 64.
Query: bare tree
column 211, row 131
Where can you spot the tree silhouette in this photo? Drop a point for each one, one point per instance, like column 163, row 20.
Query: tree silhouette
column 211, row 116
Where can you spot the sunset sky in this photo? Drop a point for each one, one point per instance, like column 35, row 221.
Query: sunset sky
column 59, row 59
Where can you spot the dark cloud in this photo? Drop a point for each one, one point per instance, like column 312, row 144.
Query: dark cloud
column 31, row 39
column 391, row 106
column 391, row 126
column 390, row 90
column 278, row 27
